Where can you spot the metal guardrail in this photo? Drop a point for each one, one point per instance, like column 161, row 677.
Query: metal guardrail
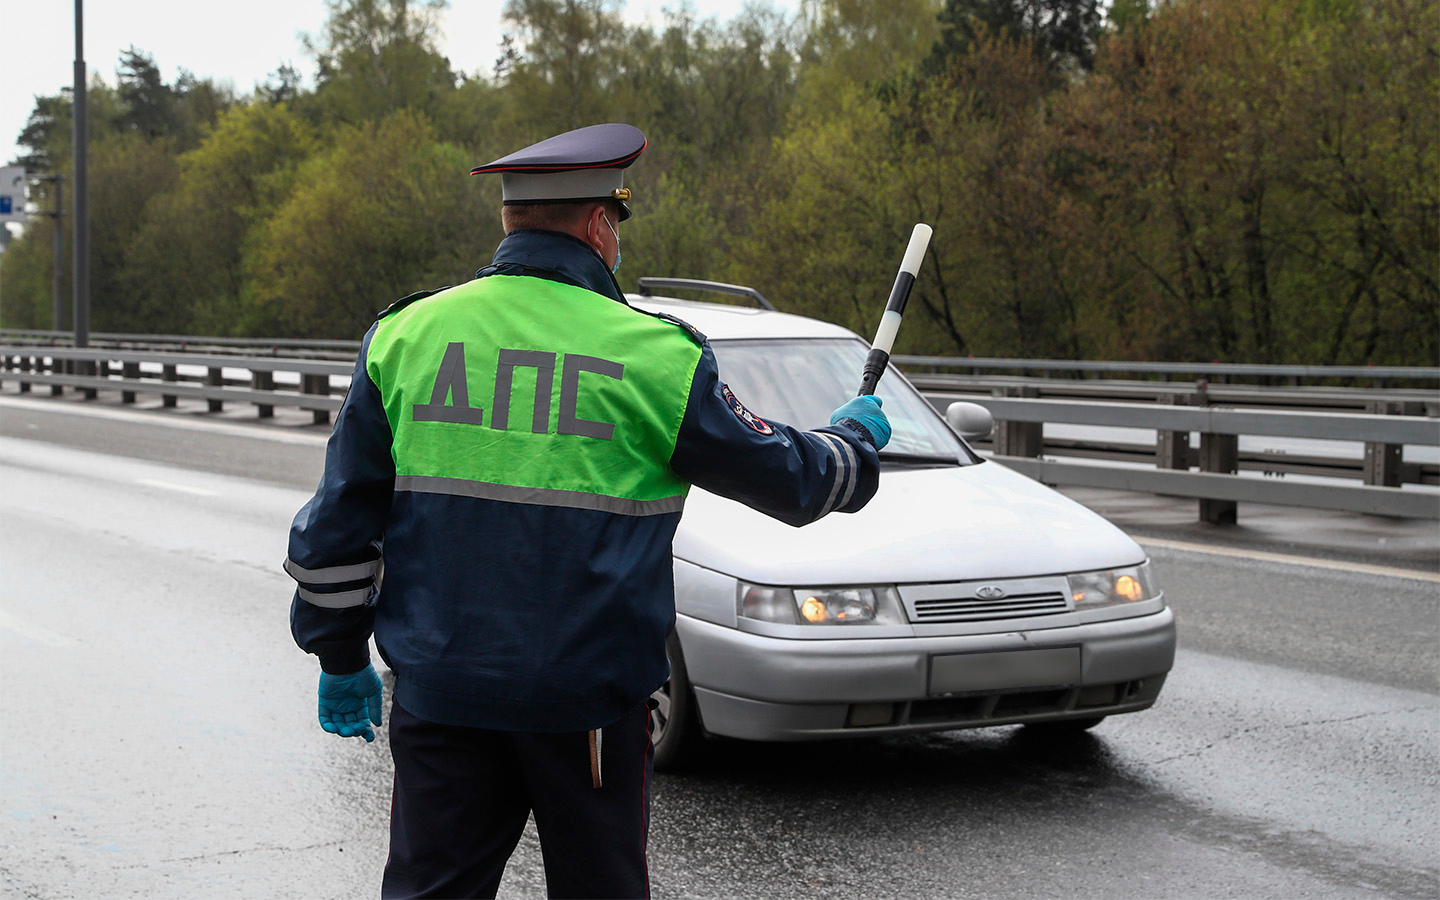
column 1405, row 401
column 1213, row 371
column 1019, row 440
column 1220, row 420
column 1019, row 443
column 90, row 370
column 300, row 347
column 1190, row 370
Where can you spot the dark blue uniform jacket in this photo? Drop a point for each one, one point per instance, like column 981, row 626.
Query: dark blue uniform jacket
column 520, row 617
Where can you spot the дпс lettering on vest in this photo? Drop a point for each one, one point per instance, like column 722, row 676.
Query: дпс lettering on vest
column 450, row 383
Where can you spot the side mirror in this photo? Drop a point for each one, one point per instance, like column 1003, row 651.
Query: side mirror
column 970, row 420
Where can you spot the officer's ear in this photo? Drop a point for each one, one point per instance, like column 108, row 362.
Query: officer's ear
column 594, row 226
column 595, row 229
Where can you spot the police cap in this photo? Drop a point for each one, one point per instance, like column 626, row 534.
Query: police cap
column 585, row 164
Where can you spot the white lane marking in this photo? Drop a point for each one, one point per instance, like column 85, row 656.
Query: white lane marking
column 151, row 482
column 168, row 420
column 34, row 632
column 1287, row 559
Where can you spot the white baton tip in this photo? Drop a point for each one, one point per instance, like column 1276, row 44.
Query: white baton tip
column 919, row 241
column 889, row 327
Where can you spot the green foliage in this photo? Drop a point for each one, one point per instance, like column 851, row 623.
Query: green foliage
column 1190, row 179
column 26, row 277
column 1060, row 33
column 377, row 57
column 1255, row 185
column 148, row 102
column 189, row 257
column 858, row 42
column 564, row 76
column 363, row 223
column 126, row 171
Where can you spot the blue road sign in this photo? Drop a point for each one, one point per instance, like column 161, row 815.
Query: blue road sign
column 5, row 204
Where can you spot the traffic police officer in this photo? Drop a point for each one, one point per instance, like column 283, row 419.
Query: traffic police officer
column 514, row 453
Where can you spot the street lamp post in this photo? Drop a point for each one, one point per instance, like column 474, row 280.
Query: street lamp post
column 81, row 240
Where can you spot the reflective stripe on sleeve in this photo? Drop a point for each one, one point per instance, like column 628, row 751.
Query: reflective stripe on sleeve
column 332, row 574
column 846, row 473
column 852, row 474
column 340, row 600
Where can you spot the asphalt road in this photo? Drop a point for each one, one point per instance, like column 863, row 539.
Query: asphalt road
column 157, row 734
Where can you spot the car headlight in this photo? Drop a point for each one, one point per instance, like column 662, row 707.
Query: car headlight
column 1113, row 587
column 819, row 606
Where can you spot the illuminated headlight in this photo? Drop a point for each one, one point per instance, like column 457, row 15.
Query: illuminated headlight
column 819, row 606
column 1091, row 590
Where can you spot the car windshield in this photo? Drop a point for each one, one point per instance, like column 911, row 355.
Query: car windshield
column 801, row 381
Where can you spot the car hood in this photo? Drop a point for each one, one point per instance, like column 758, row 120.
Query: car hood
column 949, row 523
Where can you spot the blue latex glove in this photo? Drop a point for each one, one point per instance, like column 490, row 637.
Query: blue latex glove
column 865, row 411
column 350, row 704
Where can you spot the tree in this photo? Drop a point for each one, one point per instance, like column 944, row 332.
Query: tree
column 126, row 172
column 47, row 122
column 26, row 280
column 376, row 57
column 965, row 155
column 563, row 75
column 384, row 212
column 856, row 42
column 281, row 86
column 189, row 259
column 1259, row 169
column 1061, row 33
column 147, row 102
column 714, row 99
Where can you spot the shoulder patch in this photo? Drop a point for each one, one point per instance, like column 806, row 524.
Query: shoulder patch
column 691, row 330
column 407, row 300
column 742, row 413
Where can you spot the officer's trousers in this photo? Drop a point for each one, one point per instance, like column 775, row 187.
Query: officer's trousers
column 462, row 797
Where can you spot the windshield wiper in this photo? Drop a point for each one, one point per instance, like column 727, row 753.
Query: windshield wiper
column 918, row 459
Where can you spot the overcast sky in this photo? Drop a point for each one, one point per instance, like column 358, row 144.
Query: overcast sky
column 240, row 43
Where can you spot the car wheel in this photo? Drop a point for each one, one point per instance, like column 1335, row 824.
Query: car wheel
column 1064, row 726
column 674, row 722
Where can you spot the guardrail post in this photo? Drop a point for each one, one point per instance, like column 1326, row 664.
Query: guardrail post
column 1219, row 453
column 58, row 366
column 90, row 369
column 317, row 384
column 1383, row 462
column 1025, row 439
column 167, row 373
column 24, row 364
column 1172, row 448
column 130, row 371
column 263, row 381
column 215, row 377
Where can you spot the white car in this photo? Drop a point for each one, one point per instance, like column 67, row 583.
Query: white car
column 964, row 595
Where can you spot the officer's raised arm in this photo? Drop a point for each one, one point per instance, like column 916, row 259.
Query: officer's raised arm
column 795, row 476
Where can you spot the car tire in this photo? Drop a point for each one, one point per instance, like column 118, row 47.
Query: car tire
column 1064, row 726
column 675, row 720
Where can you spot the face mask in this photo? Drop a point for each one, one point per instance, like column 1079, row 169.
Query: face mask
column 617, row 243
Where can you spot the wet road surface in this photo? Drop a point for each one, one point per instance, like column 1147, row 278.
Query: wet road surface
column 157, row 734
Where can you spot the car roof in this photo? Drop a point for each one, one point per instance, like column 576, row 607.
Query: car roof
column 721, row 321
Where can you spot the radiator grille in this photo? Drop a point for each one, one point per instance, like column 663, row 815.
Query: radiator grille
column 970, row 609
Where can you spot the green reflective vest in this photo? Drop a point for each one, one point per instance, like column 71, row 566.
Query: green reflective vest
column 529, row 390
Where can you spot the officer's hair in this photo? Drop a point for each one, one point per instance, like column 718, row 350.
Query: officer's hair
column 551, row 216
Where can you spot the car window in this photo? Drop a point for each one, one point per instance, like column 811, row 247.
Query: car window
column 801, row 381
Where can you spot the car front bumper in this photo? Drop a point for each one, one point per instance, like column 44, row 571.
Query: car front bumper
column 766, row 688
